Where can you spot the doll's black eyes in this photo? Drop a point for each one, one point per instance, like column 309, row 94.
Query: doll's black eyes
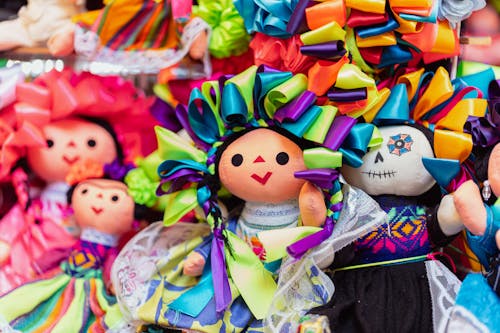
column 84, row 191
column 114, row 198
column 282, row 158
column 50, row 143
column 237, row 160
column 91, row 143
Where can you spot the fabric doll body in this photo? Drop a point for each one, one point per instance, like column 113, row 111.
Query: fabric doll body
column 383, row 281
column 76, row 299
column 37, row 21
column 44, row 222
column 477, row 308
column 177, row 296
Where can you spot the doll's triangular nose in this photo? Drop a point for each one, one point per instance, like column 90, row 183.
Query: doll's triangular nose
column 71, row 144
column 259, row 159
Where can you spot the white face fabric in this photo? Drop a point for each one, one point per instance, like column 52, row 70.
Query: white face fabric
column 396, row 166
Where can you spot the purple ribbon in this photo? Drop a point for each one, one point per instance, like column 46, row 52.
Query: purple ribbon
column 165, row 114
column 339, row 130
column 329, row 50
column 116, row 170
column 323, row 178
column 178, row 180
column 485, row 130
column 182, row 115
column 299, row 248
column 219, row 273
column 296, row 24
column 351, row 95
column 292, row 111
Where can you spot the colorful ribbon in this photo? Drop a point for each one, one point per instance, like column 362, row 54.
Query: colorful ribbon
column 228, row 36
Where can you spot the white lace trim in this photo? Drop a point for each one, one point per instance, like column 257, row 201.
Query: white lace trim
column 296, row 293
column 444, row 286
column 87, row 44
column 96, row 236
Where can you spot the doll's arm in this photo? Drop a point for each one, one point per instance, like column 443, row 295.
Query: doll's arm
column 449, row 219
column 195, row 261
column 312, row 205
column 470, row 207
column 106, row 269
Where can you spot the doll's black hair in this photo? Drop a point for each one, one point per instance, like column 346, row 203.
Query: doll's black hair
column 107, row 126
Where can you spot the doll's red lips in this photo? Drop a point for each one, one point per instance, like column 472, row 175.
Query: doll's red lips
column 70, row 160
column 97, row 211
column 262, row 180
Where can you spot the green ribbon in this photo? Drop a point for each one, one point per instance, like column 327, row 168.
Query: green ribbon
column 284, row 93
column 255, row 283
column 229, row 36
column 320, row 158
column 276, row 241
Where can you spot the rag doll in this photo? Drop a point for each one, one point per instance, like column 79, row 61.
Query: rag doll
column 37, row 21
column 477, row 308
column 384, row 280
column 42, row 221
column 75, row 299
column 291, row 197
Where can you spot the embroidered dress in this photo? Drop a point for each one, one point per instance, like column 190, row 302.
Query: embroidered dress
column 44, row 226
column 172, row 299
column 75, row 300
column 412, row 296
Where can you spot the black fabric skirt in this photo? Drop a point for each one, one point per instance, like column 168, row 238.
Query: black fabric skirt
column 382, row 299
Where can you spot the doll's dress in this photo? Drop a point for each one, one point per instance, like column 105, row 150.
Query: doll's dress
column 157, row 292
column 414, row 295
column 75, row 300
column 477, row 307
column 138, row 35
column 46, row 225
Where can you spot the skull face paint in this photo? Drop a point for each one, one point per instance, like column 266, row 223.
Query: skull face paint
column 396, row 166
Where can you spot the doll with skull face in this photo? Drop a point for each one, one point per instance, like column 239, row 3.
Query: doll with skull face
column 76, row 298
column 383, row 283
column 42, row 221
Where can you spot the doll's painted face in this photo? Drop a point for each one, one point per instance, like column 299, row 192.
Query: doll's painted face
column 70, row 141
column 396, row 166
column 104, row 205
column 260, row 167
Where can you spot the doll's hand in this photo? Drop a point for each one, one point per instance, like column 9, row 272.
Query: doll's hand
column 194, row 264
column 4, row 252
column 199, row 46
column 61, row 43
column 469, row 205
column 312, row 205
column 448, row 218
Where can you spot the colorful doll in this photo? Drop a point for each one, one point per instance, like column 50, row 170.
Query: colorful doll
column 225, row 280
column 44, row 223
column 372, row 295
column 389, row 280
column 52, row 139
column 76, row 299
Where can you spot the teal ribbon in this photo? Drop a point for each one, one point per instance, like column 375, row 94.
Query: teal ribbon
column 396, row 109
column 479, row 80
column 443, row 170
column 356, row 144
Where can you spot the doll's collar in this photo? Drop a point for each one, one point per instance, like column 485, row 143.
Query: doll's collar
column 272, row 216
column 96, row 236
column 55, row 192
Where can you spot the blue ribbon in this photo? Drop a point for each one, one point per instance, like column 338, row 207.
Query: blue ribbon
column 443, row 170
column 396, row 109
column 378, row 29
column 356, row 144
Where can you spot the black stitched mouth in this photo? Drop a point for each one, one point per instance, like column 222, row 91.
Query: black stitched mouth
column 380, row 174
